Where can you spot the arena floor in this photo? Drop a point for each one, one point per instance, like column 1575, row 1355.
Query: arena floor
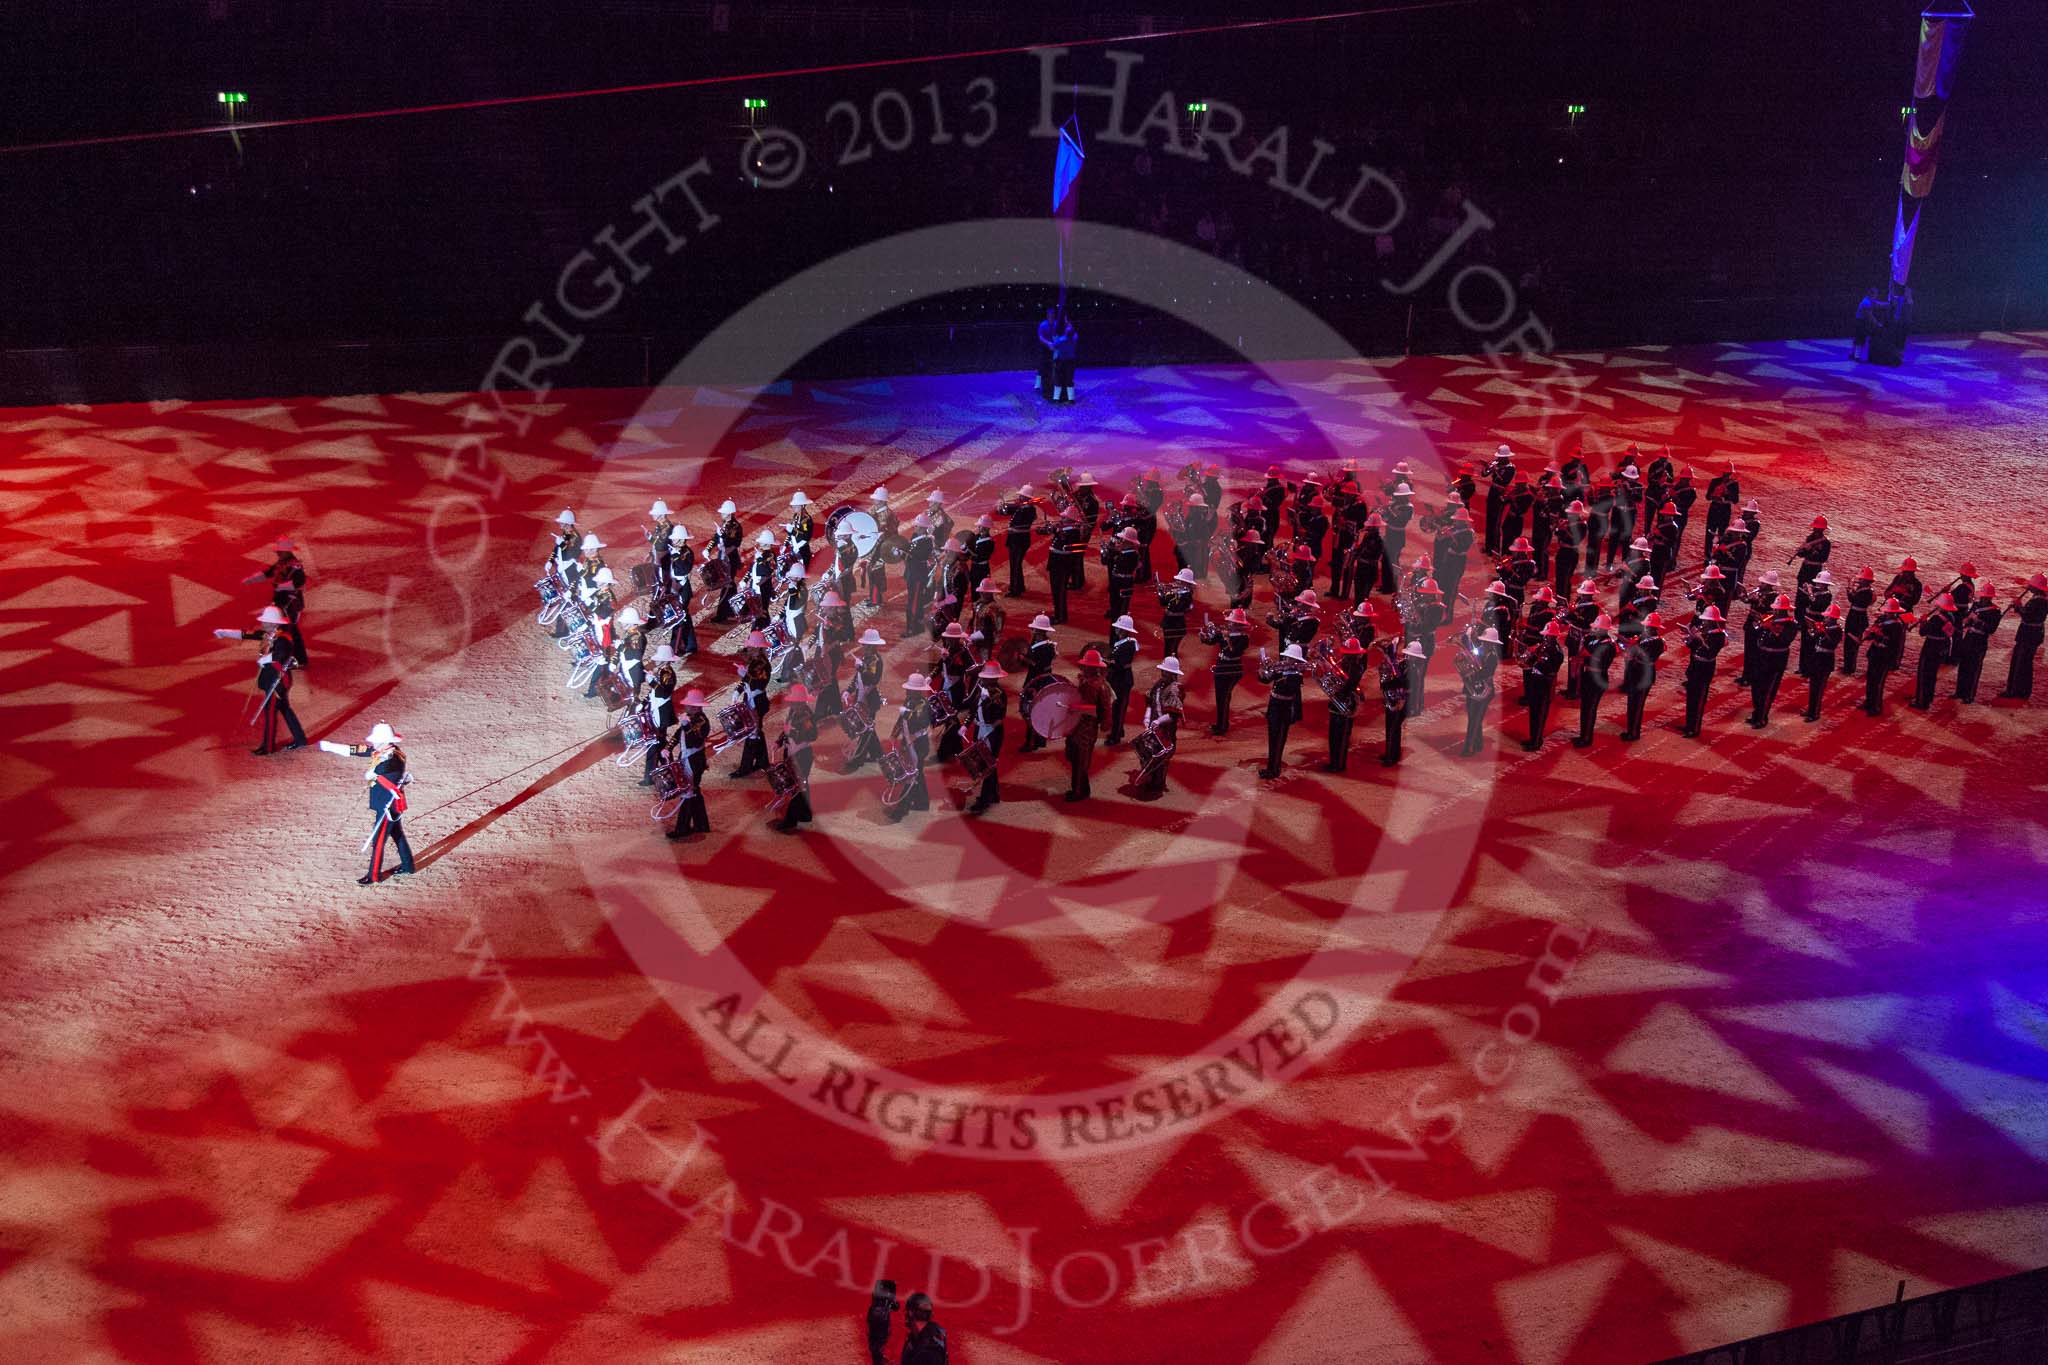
column 1610, row 1053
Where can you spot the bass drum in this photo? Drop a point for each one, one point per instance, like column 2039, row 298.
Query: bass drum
column 1053, row 706
column 714, row 574
column 851, row 523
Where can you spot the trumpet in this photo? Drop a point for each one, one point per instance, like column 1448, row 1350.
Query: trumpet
column 1433, row 522
column 1282, row 667
column 1168, row 591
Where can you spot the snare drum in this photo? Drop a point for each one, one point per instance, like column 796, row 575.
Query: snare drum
column 978, row 759
column 896, row 768
column 1149, row 748
column 739, row 723
column 673, row 786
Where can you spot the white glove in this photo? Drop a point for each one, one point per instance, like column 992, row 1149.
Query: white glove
column 225, row 634
column 328, row 746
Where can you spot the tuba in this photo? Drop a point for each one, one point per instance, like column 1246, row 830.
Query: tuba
column 1329, row 676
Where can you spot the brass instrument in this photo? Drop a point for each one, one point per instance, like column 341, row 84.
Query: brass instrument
column 1167, row 590
column 1280, row 568
column 1282, row 667
column 1329, row 676
column 1438, row 521
column 1061, row 496
column 1210, row 633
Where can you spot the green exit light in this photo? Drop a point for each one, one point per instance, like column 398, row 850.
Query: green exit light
column 753, row 104
column 231, row 97
column 1199, row 107
column 1575, row 109
column 1905, row 111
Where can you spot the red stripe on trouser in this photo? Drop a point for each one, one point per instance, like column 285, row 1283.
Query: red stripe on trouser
column 377, row 849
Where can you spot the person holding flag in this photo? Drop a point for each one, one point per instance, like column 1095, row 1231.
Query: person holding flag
column 1058, row 338
column 387, row 780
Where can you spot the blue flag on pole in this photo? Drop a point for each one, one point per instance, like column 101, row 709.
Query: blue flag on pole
column 1066, row 190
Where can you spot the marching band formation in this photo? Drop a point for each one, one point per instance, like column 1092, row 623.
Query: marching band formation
column 1583, row 594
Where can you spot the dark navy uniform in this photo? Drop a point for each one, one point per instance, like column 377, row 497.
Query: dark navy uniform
column 990, row 707
column 274, row 684
column 387, row 806
column 1022, row 512
column 1820, row 638
column 1596, row 660
column 1227, row 671
column 1638, row 676
column 2033, row 613
column 1539, row 683
column 1703, row 645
